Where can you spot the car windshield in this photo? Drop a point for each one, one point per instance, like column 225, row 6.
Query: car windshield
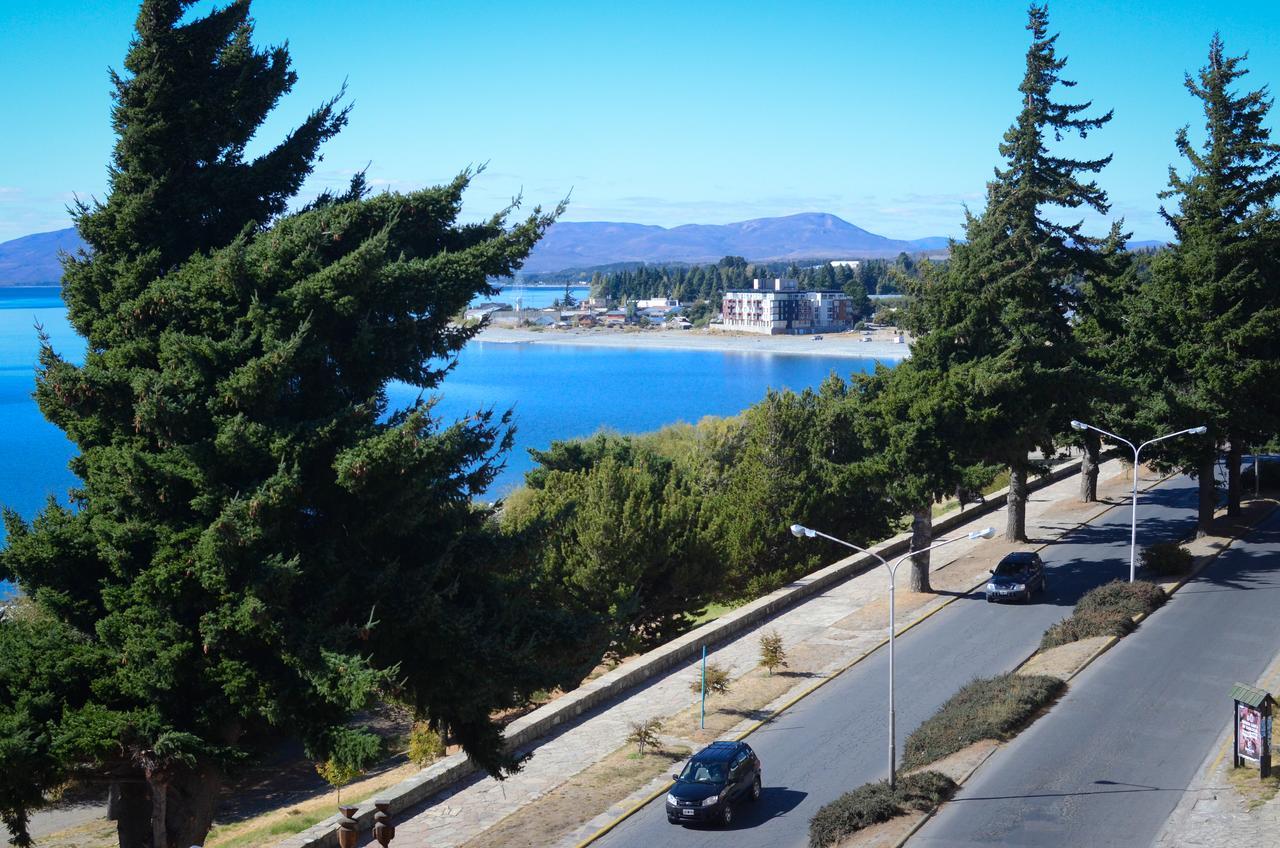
column 1011, row 569
column 696, row 772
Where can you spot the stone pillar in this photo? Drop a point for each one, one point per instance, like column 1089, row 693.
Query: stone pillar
column 383, row 830
column 348, row 830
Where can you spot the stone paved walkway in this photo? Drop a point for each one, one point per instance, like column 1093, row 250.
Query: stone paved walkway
column 1212, row 814
column 848, row 621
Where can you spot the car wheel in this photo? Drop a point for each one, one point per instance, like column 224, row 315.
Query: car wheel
column 1026, row 596
column 726, row 815
column 990, row 599
column 755, row 789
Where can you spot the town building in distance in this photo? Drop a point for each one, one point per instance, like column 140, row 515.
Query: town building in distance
column 781, row 308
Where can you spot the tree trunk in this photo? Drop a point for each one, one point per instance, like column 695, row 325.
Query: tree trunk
column 1208, row 494
column 1234, row 456
column 159, row 805
column 921, row 538
column 1016, row 526
column 129, row 806
column 176, row 809
column 193, row 799
column 1089, row 467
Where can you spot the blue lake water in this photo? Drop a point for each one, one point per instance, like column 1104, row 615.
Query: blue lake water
column 557, row 392
column 536, row 297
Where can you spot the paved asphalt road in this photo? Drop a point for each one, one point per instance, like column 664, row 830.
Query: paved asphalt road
column 835, row 739
column 1110, row 762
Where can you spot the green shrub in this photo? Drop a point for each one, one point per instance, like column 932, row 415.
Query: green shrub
column 1166, row 559
column 1107, row 610
column 988, row 708
column 869, row 804
column 717, row 680
column 873, row 803
column 1085, row 625
column 1140, row 596
column 425, row 745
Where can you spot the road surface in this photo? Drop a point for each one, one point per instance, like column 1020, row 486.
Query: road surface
column 1110, row 762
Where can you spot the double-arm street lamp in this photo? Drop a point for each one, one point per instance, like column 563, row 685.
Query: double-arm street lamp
column 1137, row 452
column 804, row 532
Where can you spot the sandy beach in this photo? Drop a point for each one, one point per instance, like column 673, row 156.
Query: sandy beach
column 851, row 344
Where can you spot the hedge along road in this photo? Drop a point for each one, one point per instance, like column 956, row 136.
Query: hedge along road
column 1110, row 762
column 834, row 740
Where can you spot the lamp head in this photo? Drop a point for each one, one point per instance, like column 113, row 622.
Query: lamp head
column 800, row 531
column 1199, row 431
column 984, row 533
column 1078, row 425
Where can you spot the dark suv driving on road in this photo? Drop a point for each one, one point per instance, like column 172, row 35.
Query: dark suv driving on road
column 1016, row 577
column 713, row 780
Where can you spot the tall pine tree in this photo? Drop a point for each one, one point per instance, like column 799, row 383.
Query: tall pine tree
column 1211, row 313
column 260, row 544
column 996, row 319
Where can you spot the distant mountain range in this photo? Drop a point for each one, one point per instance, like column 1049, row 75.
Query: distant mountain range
column 810, row 235
column 33, row 260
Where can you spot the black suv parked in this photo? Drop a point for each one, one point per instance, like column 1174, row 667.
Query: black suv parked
column 1017, row 576
column 712, row 781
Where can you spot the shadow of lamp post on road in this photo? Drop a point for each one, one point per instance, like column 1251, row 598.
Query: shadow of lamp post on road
column 802, row 532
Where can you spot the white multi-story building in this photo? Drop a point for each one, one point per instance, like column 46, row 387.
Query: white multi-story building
column 782, row 308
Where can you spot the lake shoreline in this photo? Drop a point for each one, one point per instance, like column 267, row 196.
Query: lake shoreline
column 848, row 344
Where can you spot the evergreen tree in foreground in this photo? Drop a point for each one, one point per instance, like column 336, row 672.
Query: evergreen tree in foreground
column 1210, row 329
column 917, row 439
column 261, row 543
column 996, row 319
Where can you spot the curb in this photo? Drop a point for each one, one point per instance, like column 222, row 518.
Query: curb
column 930, row 813
column 1102, row 649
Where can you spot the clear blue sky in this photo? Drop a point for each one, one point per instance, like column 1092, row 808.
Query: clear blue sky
column 887, row 114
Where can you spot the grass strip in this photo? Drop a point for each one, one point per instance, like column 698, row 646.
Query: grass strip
column 872, row 803
column 1108, row 610
column 295, row 821
column 987, row 708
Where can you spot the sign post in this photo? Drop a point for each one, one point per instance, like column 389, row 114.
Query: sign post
column 1251, row 728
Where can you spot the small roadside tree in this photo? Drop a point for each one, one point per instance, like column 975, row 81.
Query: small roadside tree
column 772, row 652
column 716, row 679
column 644, row 734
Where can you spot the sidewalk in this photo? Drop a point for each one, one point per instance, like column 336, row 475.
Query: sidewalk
column 832, row 630
column 1214, row 812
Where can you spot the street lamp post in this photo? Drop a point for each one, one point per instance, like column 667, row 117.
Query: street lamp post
column 801, row 531
column 1137, row 452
